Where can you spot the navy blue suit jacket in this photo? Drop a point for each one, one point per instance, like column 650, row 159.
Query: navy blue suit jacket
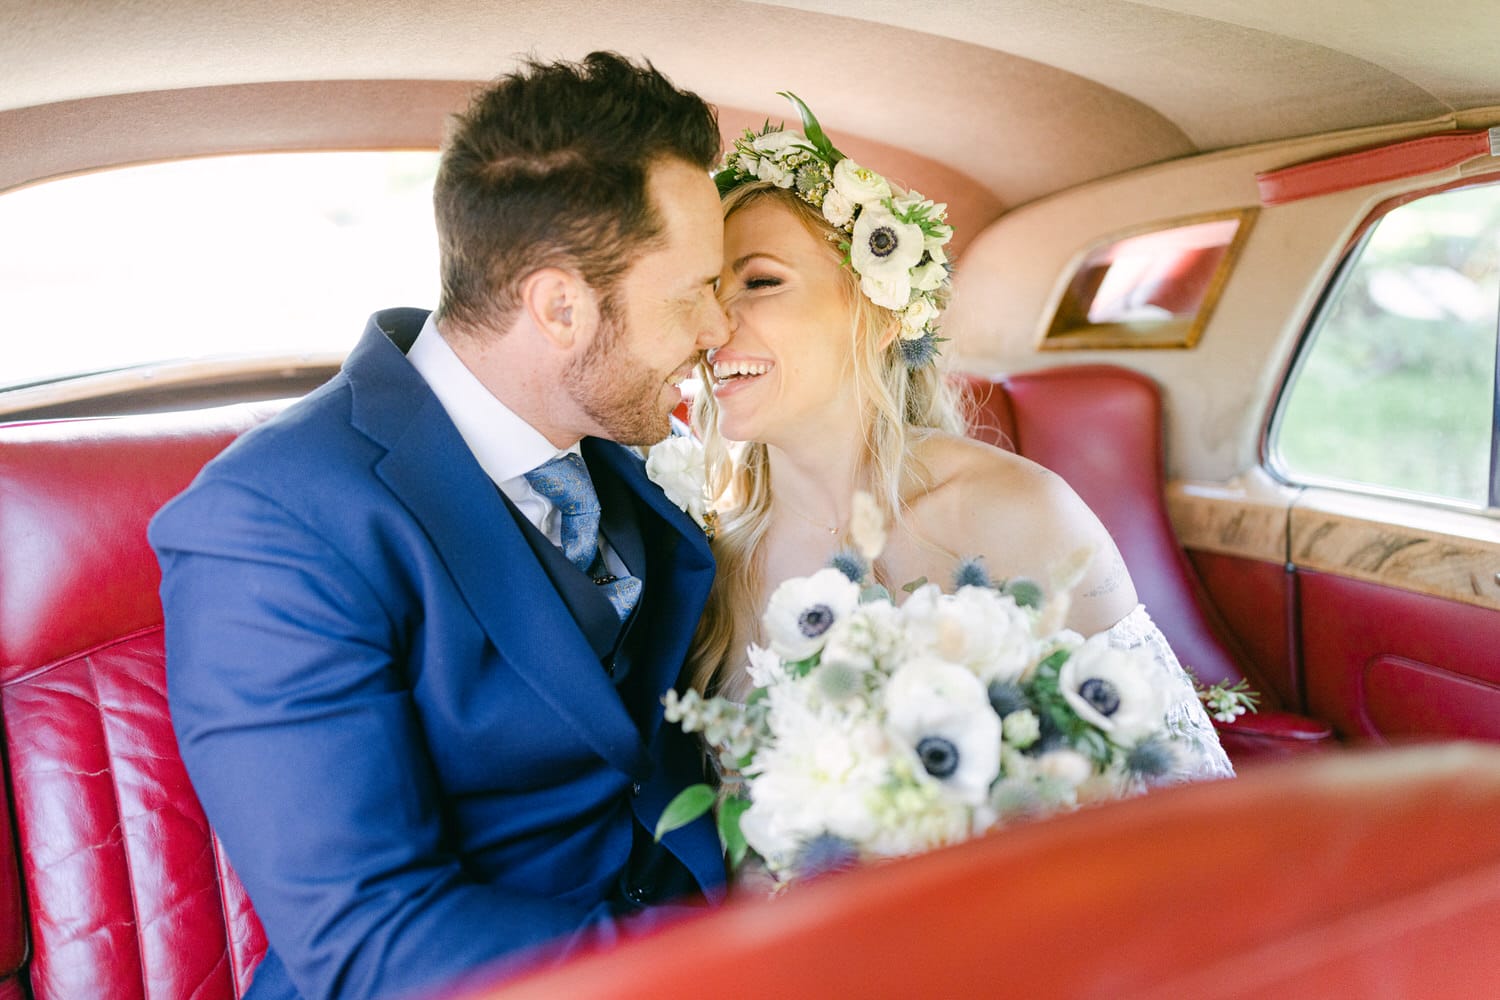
column 409, row 748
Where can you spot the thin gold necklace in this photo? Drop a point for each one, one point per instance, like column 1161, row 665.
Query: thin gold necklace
column 816, row 524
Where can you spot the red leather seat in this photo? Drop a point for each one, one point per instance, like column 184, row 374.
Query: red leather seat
column 126, row 891
column 1339, row 875
column 1100, row 428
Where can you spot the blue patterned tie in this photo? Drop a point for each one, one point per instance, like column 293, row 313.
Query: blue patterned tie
column 565, row 482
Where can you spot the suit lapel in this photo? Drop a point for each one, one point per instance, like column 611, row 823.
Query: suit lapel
column 431, row 471
column 679, row 565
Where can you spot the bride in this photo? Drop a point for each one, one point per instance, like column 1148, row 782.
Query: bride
column 833, row 281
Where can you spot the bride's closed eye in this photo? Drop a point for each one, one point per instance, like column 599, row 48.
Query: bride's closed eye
column 764, row 282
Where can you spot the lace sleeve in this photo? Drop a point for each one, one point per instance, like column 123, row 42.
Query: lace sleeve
column 1186, row 716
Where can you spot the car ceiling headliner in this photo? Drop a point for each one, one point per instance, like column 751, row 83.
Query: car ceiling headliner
column 1024, row 97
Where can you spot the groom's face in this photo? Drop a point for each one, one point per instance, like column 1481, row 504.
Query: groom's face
column 661, row 316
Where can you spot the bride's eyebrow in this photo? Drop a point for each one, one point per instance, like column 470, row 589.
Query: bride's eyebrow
column 740, row 264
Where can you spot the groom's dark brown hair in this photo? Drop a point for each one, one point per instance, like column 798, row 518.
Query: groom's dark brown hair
column 548, row 168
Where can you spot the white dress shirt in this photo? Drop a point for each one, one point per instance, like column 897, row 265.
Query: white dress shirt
column 504, row 444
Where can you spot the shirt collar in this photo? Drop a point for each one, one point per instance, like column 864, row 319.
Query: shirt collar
column 504, row 444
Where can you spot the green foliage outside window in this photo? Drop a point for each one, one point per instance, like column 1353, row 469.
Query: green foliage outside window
column 1397, row 389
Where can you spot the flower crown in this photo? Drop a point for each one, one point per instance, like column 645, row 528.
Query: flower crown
column 895, row 237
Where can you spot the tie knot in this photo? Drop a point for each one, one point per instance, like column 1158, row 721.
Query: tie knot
column 565, row 482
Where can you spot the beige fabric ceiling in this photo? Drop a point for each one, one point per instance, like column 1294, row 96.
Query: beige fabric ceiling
column 1025, row 97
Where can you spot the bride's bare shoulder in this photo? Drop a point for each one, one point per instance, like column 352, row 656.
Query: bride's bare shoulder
column 962, row 472
column 1025, row 520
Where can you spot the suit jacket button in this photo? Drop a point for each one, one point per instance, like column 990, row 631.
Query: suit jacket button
column 635, row 788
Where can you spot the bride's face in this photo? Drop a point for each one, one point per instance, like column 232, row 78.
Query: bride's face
column 784, row 369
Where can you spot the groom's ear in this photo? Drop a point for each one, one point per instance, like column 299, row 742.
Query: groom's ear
column 560, row 305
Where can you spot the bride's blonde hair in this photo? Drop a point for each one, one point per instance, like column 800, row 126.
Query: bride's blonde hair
column 897, row 399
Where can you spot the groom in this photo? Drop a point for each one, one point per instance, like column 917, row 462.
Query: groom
column 418, row 627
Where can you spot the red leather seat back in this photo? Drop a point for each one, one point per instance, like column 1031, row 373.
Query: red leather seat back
column 1336, row 875
column 126, row 891
column 1099, row 427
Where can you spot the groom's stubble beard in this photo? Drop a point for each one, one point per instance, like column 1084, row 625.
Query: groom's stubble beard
column 615, row 391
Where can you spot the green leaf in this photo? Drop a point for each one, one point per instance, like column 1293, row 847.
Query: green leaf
column 730, row 834
column 812, row 129
column 690, row 803
column 801, row 668
column 911, row 588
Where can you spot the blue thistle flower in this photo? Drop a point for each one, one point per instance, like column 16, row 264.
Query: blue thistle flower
column 851, row 564
column 919, row 352
column 1007, row 697
column 1151, row 758
column 823, row 854
column 970, row 572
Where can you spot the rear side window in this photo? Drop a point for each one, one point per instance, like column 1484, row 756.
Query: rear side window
column 273, row 255
column 1395, row 388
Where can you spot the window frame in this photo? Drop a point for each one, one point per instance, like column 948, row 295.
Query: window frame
column 1062, row 335
column 1271, row 459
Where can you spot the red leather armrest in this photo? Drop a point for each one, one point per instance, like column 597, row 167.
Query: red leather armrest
column 1272, row 734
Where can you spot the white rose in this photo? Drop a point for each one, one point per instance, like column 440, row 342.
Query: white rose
column 677, row 466
column 769, row 170
column 1108, row 689
column 859, row 185
column 942, row 712
column 1069, row 767
column 984, row 631
column 837, row 209
column 803, row 610
column 918, row 315
column 929, row 277
column 780, row 143
column 893, row 293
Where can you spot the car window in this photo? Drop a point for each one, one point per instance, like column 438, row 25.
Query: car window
column 1395, row 387
column 271, row 254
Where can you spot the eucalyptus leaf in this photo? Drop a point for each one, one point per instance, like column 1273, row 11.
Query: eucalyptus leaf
column 874, row 592
column 689, row 804
column 915, row 585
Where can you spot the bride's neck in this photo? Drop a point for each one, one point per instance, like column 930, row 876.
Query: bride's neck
column 816, row 480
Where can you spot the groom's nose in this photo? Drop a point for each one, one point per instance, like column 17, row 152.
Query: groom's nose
column 715, row 329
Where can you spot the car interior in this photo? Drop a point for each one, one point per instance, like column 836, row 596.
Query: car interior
column 1231, row 271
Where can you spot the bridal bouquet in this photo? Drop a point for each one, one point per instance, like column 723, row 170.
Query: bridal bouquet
column 876, row 730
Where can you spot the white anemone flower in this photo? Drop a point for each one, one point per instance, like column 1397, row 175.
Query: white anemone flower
column 884, row 250
column 803, row 611
column 1107, row 688
column 942, row 712
column 985, row 631
column 859, row 185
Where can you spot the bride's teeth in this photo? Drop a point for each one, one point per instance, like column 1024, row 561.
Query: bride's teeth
column 731, row 369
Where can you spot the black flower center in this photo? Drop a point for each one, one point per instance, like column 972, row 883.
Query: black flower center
column 939, row 756
column 815, row 620
column 883, row 241
column 1101, row 694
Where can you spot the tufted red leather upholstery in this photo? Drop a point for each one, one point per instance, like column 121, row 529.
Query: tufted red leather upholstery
column 126, row 891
